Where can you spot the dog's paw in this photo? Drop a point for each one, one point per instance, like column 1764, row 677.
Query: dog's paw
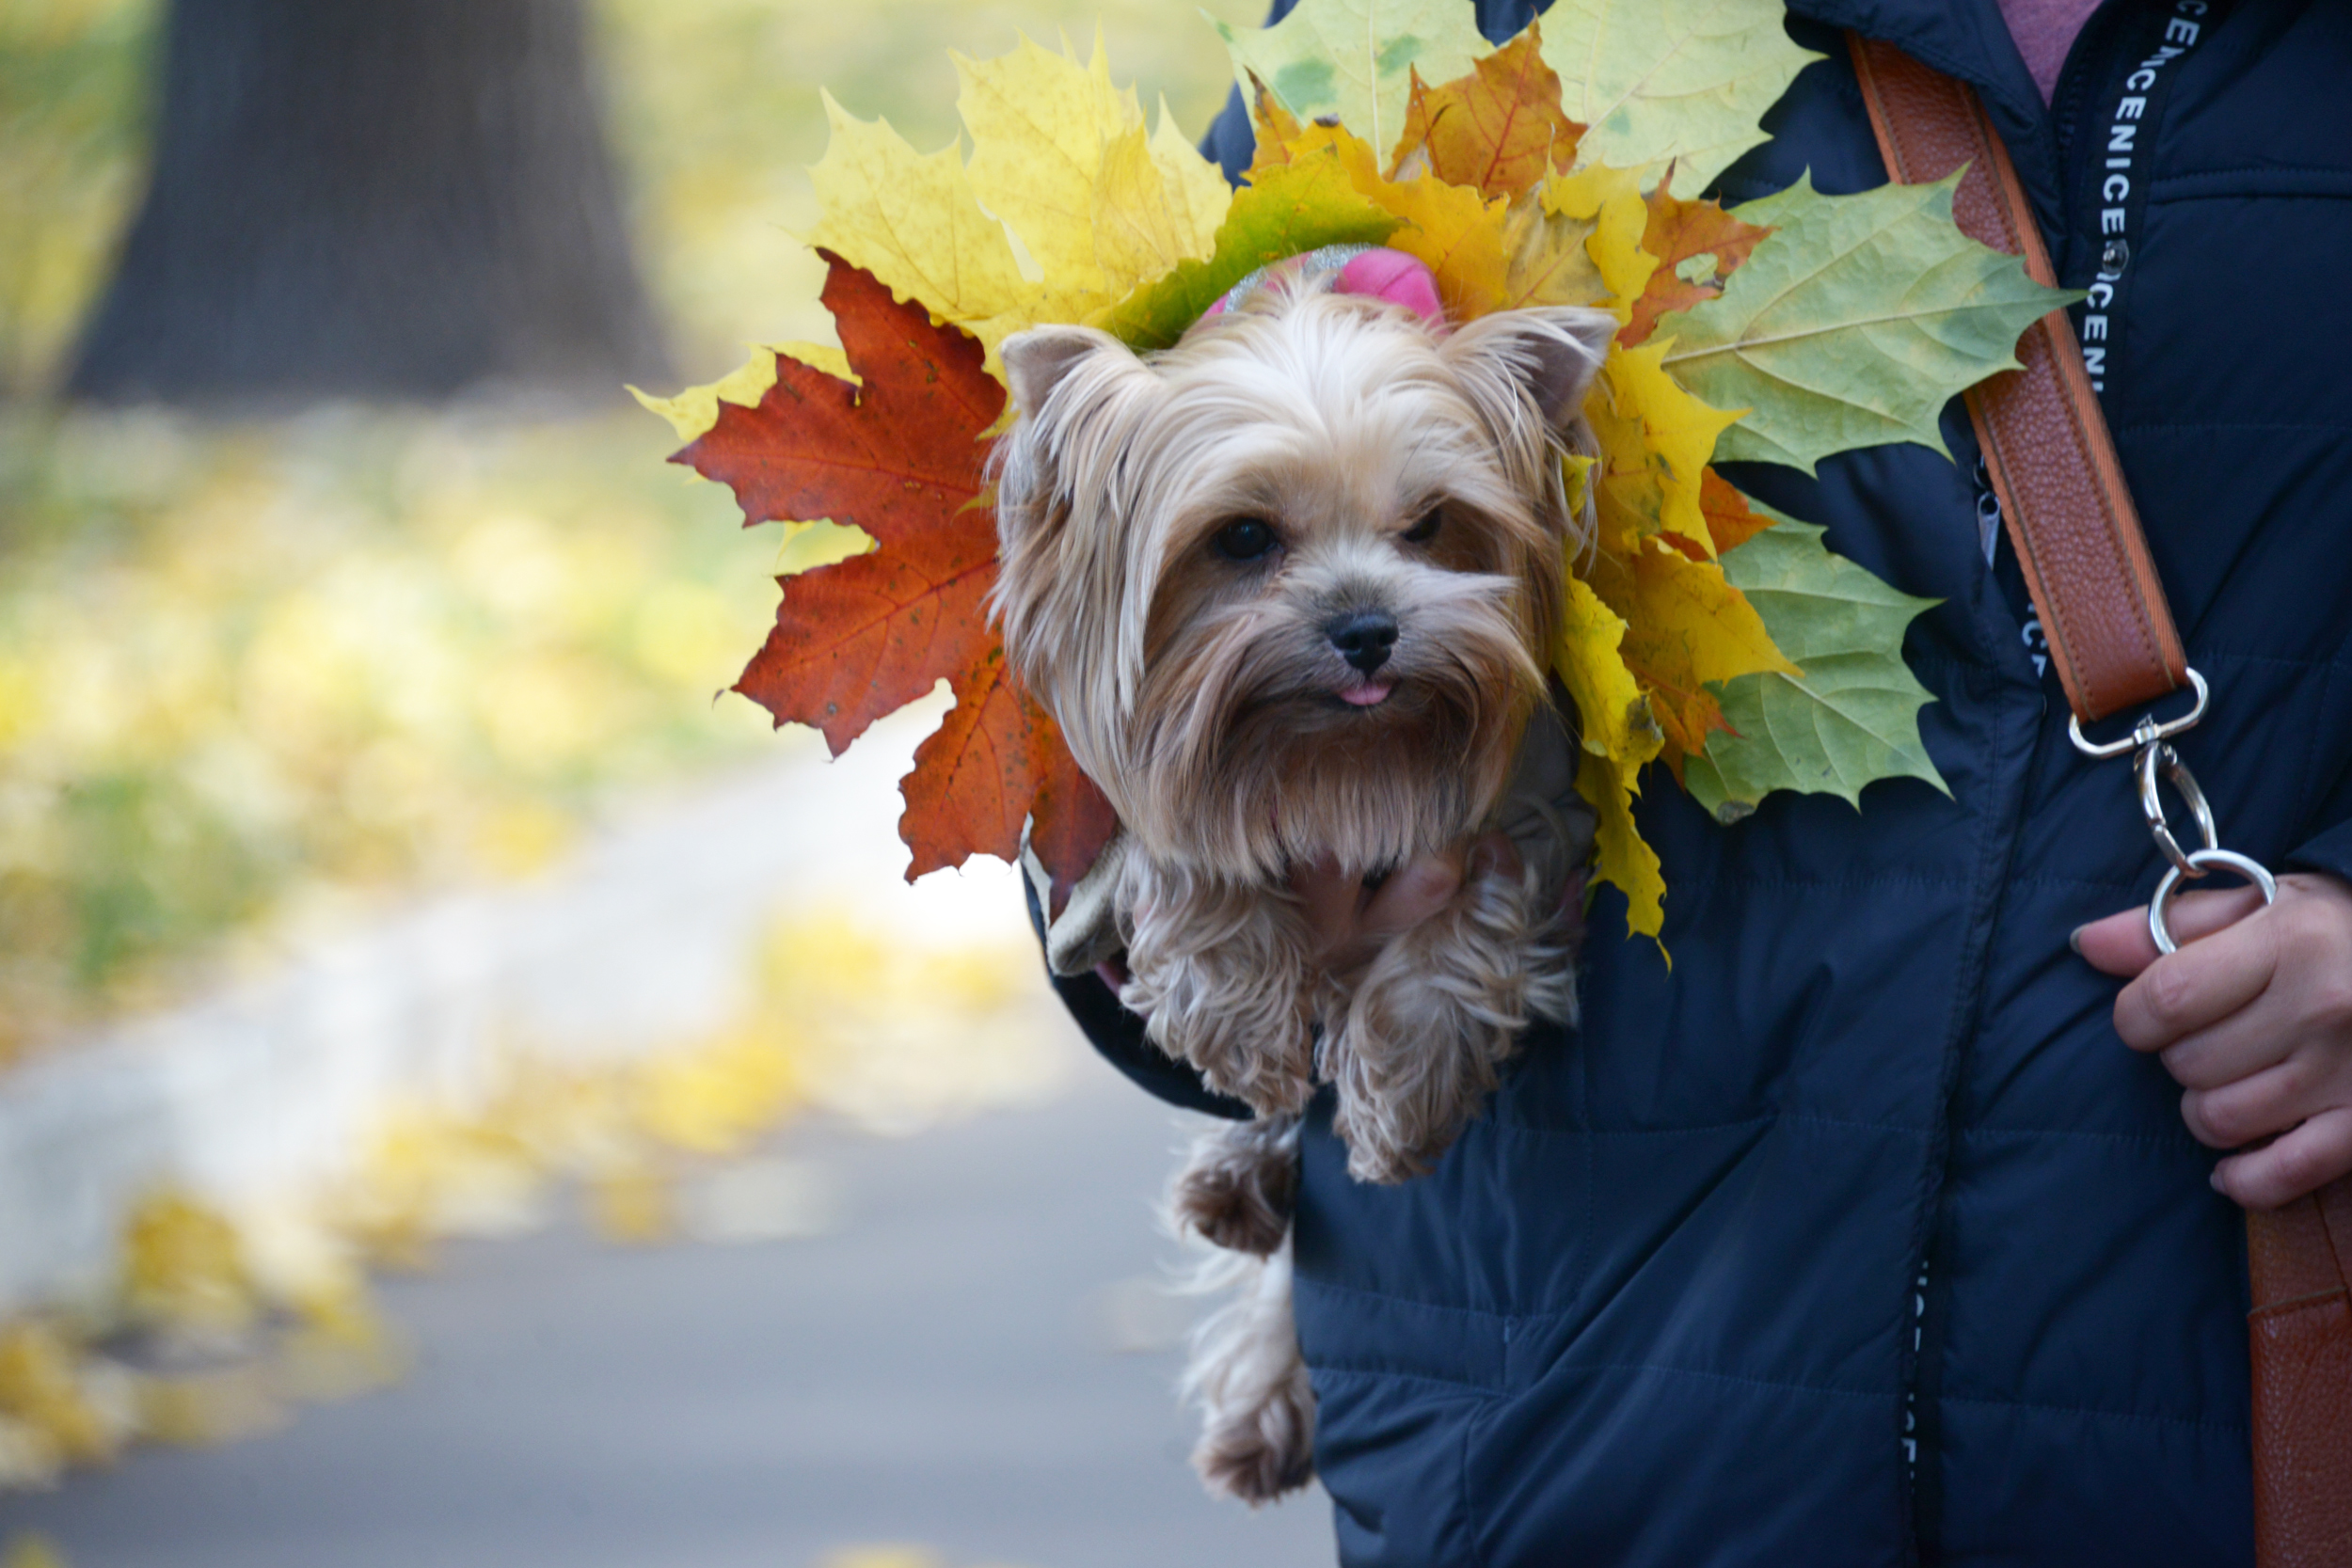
column 1239, row 1187
column 1417, row 1050
column 1264, row 1451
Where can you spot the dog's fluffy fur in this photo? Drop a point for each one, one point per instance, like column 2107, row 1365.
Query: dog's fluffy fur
column 1399, row 472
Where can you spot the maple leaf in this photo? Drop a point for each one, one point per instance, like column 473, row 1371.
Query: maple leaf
column 1060, row 154
column 900, row 456
column 1619, row 734
column 1851, row 716
column 1498, row 130
column 1039, row 122
column 697, row 409
column 1697, row 245
column 1354, row 58
column 1609, row 200
column 1546, row 261
column 1657, row 440
column 1291, row 208
column 1689, row 627
column 1680, row 81
column 1731, row 522
column 913, row 220
column 1854, row 324
column 1452, row 229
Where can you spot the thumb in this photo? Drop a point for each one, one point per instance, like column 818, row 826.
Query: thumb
column 2121, row 945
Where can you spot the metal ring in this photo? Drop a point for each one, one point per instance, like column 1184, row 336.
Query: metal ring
column 2162, row 757
column 2202, row 860
column 2147, row 732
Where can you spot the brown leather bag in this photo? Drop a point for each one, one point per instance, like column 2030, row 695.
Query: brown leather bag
column 2077, row 537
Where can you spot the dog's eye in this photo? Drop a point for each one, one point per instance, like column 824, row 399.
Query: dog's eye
column 1426, row 530
column 1245, row 539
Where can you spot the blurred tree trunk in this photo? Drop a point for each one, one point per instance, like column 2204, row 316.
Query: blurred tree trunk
column 373, row 199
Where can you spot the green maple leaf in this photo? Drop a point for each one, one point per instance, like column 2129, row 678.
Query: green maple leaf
column 1354, row 58
column 1292, row 208
column 1682, row 79
column 1853, row 324
column 1851, row 717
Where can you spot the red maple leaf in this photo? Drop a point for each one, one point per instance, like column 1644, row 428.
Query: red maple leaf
column 901, row 456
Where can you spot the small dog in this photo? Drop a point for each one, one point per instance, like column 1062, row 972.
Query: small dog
column 1291, row 590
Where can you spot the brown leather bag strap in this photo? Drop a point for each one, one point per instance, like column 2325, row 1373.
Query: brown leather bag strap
column 2045, row 443
column 2078, row 536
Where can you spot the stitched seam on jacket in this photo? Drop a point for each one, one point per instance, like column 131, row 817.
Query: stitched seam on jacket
column 1486, row 1392
column 2153, row 1140
column 1363, row 1293
column 2191, row 1421
column 1776, row 1385
column 1473, row 1393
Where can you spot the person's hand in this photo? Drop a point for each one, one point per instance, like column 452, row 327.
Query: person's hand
column 1352, row 923
column 2253, row 1017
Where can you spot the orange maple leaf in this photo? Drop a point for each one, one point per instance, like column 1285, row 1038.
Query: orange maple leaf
column 1498, row 129
column 899, row 454
column 1730, row 521
column 1678, row 232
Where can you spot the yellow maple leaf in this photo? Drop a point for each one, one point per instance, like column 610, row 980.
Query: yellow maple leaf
column 1137, row 232
column 1657, row 439
column 1620, row 735
column 693, row 411
column 1620, row 855
column 913, row 220
column 1687, row 628
column 1611, row 200
column 1546, row 260
column 1195, row 188
column 1040, row 123
column 1453, row 230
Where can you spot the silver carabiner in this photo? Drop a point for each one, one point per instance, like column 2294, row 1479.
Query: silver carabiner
column 2200, row 861
column 2161, row 758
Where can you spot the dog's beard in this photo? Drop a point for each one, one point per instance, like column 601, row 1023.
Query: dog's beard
column 1244, row 757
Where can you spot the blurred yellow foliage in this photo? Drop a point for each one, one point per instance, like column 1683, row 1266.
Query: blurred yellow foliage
column 182, row 1269
column 40, row 1389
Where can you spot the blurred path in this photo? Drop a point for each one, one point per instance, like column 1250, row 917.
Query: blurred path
column 940, row 1367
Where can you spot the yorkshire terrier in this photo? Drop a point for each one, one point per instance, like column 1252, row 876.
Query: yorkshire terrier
column 1290, row 589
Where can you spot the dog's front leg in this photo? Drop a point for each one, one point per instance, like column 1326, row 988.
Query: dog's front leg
column 1414, row 1053
column 1220, row 971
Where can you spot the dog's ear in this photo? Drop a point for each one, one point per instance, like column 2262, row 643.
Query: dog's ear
column 1551, row 352
column 1036, row 361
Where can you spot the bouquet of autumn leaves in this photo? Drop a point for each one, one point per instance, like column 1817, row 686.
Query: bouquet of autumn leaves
column 1704, row 632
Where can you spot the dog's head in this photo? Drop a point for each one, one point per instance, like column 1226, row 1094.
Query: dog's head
column 1290, row 587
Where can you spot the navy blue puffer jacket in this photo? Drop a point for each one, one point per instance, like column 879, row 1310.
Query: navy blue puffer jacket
column 1859, row 1237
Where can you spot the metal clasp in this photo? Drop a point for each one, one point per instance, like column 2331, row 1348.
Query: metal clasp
column 2147, row 732
column 2157, row 759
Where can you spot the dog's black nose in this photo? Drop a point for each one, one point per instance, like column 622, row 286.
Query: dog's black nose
column 1363, row 638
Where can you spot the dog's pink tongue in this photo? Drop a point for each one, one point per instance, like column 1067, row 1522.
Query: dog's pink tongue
column 1366, row 696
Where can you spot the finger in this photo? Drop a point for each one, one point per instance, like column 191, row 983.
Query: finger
column 2246, row 1042
column 2118, row 944
column 2252, row 1108
column 2301, row 1162
column 1495, row 855
column 1420, row 888
column 2200, row 984
column 2122, row 945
